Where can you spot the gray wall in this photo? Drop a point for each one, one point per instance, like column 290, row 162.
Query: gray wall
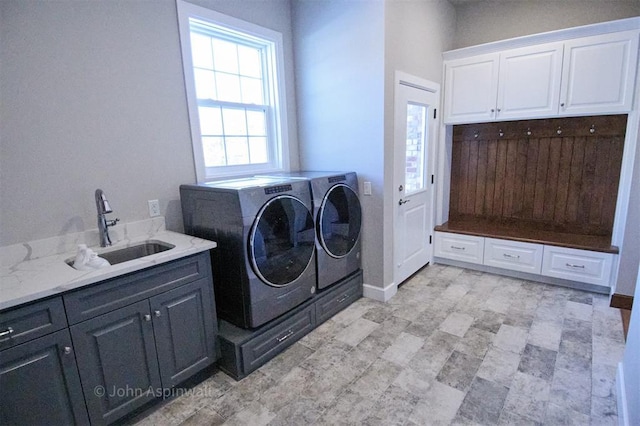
column 339, row 60
column 92, row 96
column 491, row 20
column 416, row 34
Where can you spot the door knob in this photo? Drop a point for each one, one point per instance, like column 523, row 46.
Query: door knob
column 401, row 202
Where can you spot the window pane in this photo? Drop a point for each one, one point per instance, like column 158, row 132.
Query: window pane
column 237, row 150
column 205, row 84
column 235, row 123
column 251, row 91
column 228, row 87
column 250, row 61
column 214, row 153
column 210, row 121
column 201, row 51
column 259, row 151
column 225, row 56
column 415, row 151
column 256, row 123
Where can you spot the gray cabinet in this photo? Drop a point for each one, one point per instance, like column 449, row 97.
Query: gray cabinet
column 39, row 383
column 129, row 355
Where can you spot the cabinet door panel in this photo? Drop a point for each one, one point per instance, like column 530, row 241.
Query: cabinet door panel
column 39, row 383
column 529, row 81
column 184, row 321
column 599, row 74
column 471, row 87
column 117, row 361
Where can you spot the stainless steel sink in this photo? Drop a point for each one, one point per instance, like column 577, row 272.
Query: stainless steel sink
column 137, row 251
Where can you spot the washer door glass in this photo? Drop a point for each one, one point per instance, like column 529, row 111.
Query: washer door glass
column 281, row 242
column 340, row 218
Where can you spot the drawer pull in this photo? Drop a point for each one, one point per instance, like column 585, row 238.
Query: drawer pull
column 343, row 298
column 570, row 265
column 511, row 256
column 7, row 332
column 286, row 336
column 147, row 317
column 458, row 248
column 157, row 313
column 67, row 350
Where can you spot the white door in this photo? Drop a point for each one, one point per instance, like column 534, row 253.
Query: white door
column 414, row 142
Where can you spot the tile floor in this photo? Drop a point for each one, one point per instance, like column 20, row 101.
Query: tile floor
column 452, row 347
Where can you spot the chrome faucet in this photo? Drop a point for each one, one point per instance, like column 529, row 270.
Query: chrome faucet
column 103, row 224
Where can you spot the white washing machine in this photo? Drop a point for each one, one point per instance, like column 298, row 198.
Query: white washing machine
column 264, row 264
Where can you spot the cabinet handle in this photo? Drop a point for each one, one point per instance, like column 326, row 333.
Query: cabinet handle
column 562, row 104
column 458, row 248
column 67, row 350
column 7, row 332
column 147, row 317
column 286, row 336
column 510, row 256
column 570, row 265
column 157, row 313
column 492, row 110
column 343, row 298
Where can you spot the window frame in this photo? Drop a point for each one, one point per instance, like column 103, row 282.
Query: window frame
column 276, row 114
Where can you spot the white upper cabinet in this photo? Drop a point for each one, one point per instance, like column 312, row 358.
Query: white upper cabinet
column 529, row 82
column 599, row 74
column 471, row 87
column 580, row 76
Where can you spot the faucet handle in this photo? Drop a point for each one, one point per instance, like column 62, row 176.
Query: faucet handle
column 112, row 222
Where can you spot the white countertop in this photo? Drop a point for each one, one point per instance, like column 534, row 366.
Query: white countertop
column 31, row 271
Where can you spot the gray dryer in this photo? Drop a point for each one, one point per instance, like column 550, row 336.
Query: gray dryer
column 264, row 263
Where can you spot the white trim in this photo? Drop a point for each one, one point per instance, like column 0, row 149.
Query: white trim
column 279, row 127
column 551, row 36
column 623, row 414
column 379, row 294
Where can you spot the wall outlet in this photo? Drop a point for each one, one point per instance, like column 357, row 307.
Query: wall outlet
column 367, row 188
column 154, row 208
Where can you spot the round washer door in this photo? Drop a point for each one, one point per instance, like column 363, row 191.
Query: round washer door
column 281, row 242
column 339, row 221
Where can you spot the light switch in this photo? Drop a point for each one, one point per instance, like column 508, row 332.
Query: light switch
column 367, row 188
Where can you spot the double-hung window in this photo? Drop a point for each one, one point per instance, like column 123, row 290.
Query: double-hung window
column 235, row 93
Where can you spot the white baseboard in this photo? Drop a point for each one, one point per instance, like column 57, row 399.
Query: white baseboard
column 379, row 294
column 623, row 417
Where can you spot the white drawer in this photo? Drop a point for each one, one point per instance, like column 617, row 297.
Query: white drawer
column 514, row 255
column 577, row 265
column 466, row 248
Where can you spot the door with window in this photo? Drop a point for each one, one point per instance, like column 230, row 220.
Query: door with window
column 414, row 142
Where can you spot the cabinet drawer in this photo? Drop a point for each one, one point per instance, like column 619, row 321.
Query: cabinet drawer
column 267, row 345
column 19, row 325
column 577, row 265
column 338, row 298
column 514, row 255
column 466, row 248
column 122, row 291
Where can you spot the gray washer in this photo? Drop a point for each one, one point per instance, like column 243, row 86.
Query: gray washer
column 264, row 263
column 337, row 215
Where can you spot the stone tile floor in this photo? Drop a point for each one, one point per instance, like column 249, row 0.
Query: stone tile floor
column 453, row 346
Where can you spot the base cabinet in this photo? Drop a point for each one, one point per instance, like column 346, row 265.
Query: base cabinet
column 39, row 383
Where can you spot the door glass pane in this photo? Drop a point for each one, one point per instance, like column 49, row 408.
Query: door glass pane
column 340, row 221
column 282, row 242
column 416, row 148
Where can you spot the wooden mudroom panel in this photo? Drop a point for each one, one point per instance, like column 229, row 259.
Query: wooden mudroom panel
column 558, row 175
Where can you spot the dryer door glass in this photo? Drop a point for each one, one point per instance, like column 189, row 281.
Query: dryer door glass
column 339, row 221
column 281, row 242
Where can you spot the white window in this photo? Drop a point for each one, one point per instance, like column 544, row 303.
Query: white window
column 235, row 93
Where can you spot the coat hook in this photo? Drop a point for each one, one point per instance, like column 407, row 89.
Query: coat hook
column 475, row 134
column 592, row 129
column 528, row 131
column 500, row 133
column 559, row 131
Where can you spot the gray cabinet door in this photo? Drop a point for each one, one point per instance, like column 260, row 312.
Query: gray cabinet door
column 184, row 321
column 117, row 361
column 39, row 383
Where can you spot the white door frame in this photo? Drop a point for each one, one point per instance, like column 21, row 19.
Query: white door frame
column 402, row 78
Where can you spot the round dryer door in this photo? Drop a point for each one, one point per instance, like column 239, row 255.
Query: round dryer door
column 281, row 242
column 339, row 221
